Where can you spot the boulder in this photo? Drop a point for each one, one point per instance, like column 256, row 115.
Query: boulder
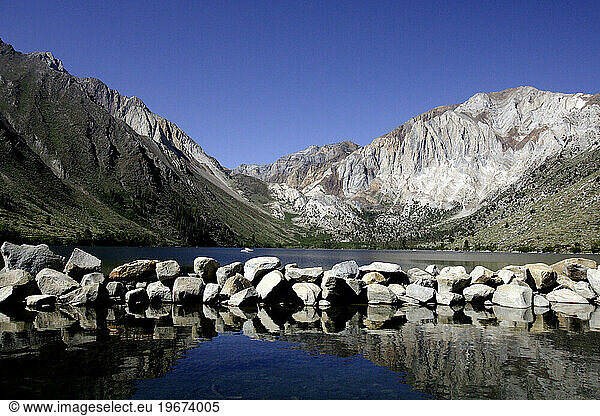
column 543, row 275
column 116, row 290
column 225, row 272
column 593, row 278
column 398, row 290
column 308, row 293
column 270, row 285
column 540, row 302
column 478, row 293
column 460, row 270
column 8, row 295
column 51, row 282
column 206, row 268
column 373, row 277
column 136, row 297
column 40, row 301
column 21, row 281
column 565, row 296
column 135, row 271
column 391, row 271
column 256, row 268
column 93, row 294
column 513, row 296
column 522, row 274
column 167, row 270
column 506, row 276
column 32, row 259
column 211, row 293
column 421, row 277
column 346, row 270
column 188, row 290
column 159, row 293
column 81, row 263
column 584, row 289
column 330, row 286
column 452, row 281
column 483, row 275
column 377, row 293
column 91, row 278
column 449, row 298
column 354, row 287
column 564, row 282
column 421, row 293
column 433, row 270
column 233, row 285
column 574, row 268
column 307, row 275
column 246, row 296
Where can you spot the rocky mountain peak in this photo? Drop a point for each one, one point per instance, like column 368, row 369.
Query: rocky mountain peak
column 49, row 59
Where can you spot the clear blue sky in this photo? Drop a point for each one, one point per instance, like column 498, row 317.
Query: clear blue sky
column 252, row 81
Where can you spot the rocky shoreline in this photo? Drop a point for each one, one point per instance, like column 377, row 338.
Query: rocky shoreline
column 36, row 278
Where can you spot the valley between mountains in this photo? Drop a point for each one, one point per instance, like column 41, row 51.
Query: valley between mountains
column 517, row 169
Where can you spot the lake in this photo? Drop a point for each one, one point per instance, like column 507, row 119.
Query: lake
column 276, row 352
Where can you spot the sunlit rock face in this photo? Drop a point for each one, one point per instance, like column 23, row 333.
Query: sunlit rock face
column 451, row 157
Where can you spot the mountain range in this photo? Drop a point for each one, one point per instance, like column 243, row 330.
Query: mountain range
column 516, row 169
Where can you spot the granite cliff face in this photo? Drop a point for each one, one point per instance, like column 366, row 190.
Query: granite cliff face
column 453, row 159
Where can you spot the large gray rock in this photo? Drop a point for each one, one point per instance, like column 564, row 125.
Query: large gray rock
column 377, row 293
column 225, row 272
column 233, row 285
column 269, row 286
column 51, row 282
column 354, row 287
column 478, row 293
column 135, row 271
column 593, row 278
column 167, row 270
column 9, row 296
column 522, row 274
column 244, row 297
column 421, row 277
column 159, row 293
column 32, row 259
column 540, row 302
column 374, row 277
column 346, row 270
column 206, row 268
column 330, row 286
column 211, row 293
column 420, row 293
column 307, row 275
column 433, row 270
column 308, row 293
column 91, row 278
column 584, row 289
column 513, row 296
column 460, row 270
column 92, row 295
column 391, row 271
column 565, row 296
column 452, row 281
column 506, row 276
column 484, row 276
column 22, row 282
column 398, row 290
column 136, row 297
column 188, row 290
column 81, row 263
column 449, row 298
column 574, row 268
column 40, row 301
column 257, row 267
column 543, row 275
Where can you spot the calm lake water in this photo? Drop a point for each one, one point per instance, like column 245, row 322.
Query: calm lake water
column 357, row 352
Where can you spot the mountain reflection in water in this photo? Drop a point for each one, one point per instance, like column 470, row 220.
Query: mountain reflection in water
column 381, row 352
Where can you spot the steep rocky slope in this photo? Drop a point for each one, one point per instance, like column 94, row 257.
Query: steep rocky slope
column 127, row 177
column 452, row 162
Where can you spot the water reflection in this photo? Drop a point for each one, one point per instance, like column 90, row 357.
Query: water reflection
column 445, row 352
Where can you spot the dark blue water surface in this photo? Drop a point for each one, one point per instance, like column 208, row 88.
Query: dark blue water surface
column 283, row 352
